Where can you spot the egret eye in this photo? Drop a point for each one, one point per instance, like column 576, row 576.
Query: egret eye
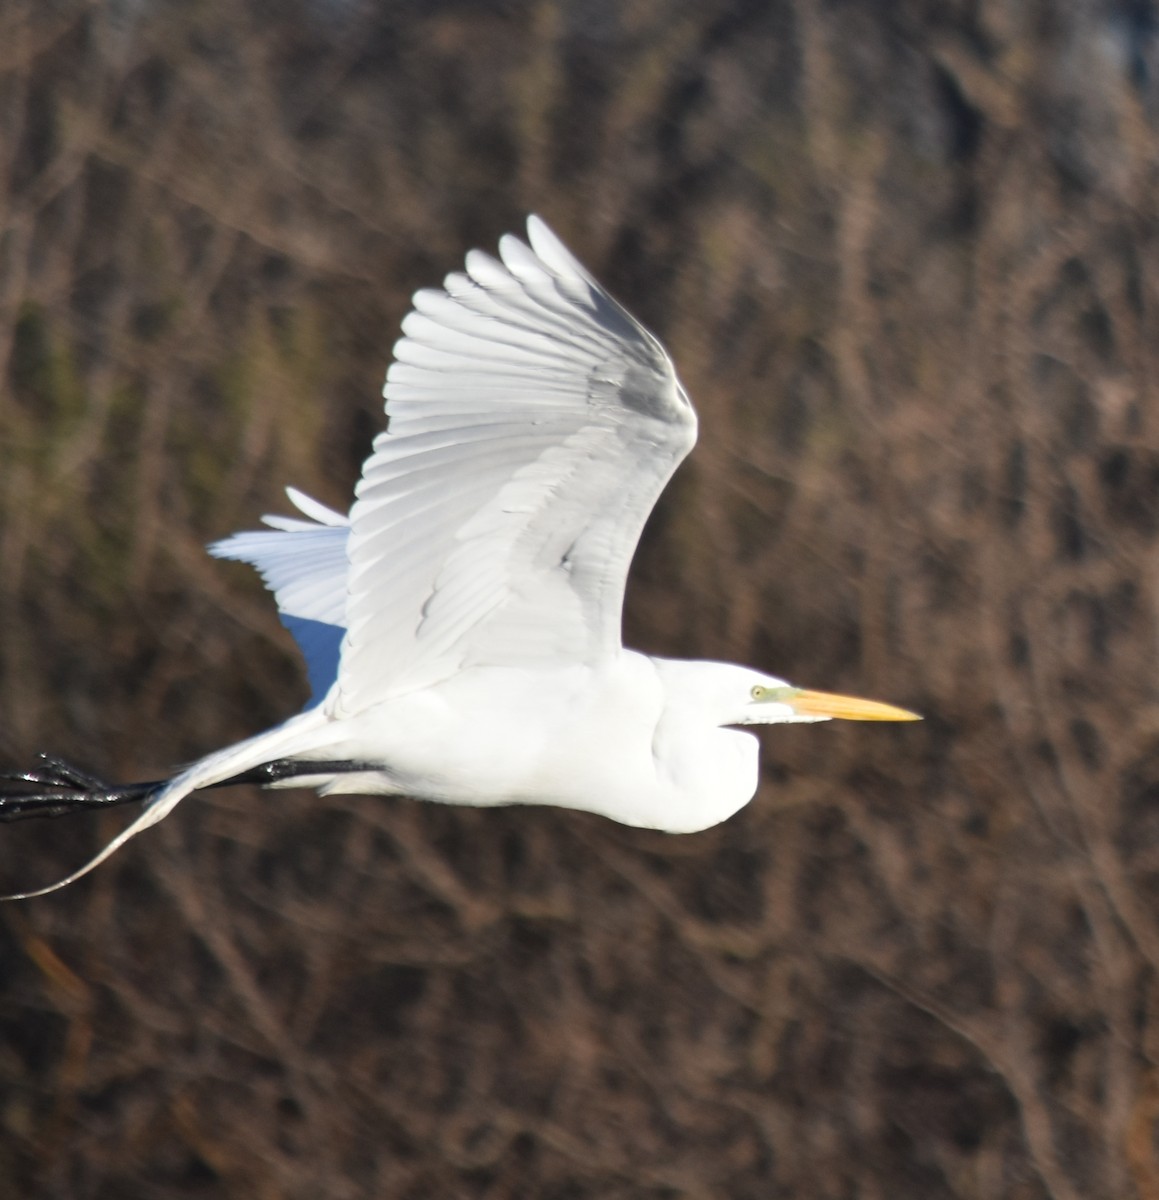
column 757, row 691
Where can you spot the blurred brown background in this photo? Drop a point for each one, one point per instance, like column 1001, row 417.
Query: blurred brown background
column 904, row 254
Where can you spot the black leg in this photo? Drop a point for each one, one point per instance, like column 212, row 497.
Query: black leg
column 295, row 768
column 55, row 788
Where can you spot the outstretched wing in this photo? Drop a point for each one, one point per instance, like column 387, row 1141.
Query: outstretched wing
column 533, row 423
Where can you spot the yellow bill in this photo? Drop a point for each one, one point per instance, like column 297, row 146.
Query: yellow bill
column 846, row 708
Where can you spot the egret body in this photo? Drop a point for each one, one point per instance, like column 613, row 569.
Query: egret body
column 461, row 626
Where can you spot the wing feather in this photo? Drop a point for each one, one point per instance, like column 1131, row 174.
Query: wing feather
column 532, row 425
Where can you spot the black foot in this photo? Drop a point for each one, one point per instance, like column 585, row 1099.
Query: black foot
column 55, row 788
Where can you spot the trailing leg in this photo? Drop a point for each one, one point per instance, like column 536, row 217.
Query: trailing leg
column 55, row 788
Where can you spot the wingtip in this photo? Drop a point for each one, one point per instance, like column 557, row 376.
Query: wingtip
column 540, row 233
column 547, row 246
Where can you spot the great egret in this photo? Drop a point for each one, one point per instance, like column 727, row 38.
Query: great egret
column 461, row 627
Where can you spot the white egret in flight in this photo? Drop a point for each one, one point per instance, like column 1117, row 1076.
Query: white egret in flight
column 461, row 627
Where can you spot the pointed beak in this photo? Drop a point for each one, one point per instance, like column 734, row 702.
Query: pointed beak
column 846, row 708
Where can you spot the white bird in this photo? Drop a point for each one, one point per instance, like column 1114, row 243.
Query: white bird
column 461, row 627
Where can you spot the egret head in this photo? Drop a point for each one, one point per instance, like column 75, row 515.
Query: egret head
column 730, row 695
column 773, row 702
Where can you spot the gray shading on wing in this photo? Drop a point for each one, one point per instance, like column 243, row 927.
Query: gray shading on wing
column 532, row 425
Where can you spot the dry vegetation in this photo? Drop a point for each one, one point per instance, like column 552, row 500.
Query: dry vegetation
column 906, row 256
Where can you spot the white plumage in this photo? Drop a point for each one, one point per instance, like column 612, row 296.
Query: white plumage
column 462, row 626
